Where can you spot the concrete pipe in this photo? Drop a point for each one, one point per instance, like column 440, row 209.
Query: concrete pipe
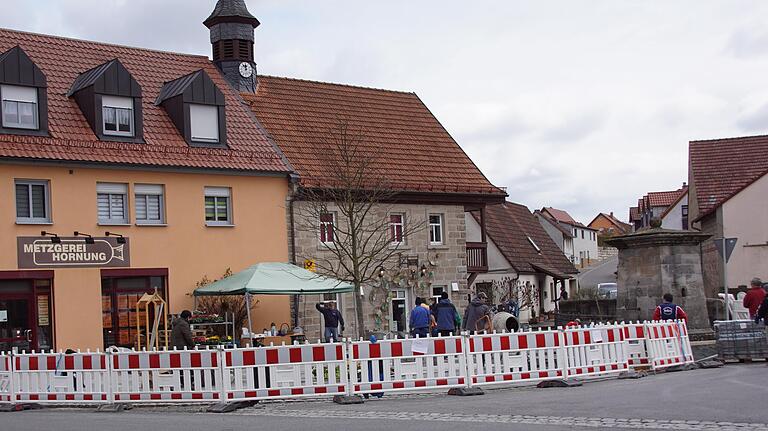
column 505, row 322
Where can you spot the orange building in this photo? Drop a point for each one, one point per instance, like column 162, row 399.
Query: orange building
column 152, row 154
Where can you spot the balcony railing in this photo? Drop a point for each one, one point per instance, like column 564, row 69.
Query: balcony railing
column 477, row 257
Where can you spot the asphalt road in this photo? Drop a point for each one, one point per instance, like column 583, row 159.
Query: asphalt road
column 603, row 272
column 729, row 398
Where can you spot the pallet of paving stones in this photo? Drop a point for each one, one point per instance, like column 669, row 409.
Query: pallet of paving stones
column 742, row 340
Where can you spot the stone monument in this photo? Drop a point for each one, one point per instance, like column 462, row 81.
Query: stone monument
column 656, row 261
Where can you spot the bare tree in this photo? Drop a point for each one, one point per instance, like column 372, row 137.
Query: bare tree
column 525, row 294
column 348, row 207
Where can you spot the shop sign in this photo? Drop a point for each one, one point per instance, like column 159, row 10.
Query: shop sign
column 72, row 252
column 310, row 265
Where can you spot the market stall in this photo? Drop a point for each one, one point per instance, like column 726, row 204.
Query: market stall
column 272, row 278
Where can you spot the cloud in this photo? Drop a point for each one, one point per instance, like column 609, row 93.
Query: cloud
column 754, row 120
column 747, row 43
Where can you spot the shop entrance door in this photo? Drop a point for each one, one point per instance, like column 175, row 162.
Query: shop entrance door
column 17, row 323
column 399, row 318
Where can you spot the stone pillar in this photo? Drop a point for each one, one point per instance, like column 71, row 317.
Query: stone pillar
column 657, row 261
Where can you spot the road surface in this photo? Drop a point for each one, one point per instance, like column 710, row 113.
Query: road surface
column 603, row 272
column 729, row 398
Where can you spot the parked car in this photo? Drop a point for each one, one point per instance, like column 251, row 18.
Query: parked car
column 607, row 290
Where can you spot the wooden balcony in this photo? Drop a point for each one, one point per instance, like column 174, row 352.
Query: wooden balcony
column 477, row 257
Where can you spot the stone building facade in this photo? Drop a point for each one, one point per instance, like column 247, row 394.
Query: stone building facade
column 387, row 302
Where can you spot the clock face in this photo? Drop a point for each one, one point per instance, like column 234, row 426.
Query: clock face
column 246, row 70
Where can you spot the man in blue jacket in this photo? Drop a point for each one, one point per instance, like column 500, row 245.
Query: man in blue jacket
column 419, row 320
column 445, row 316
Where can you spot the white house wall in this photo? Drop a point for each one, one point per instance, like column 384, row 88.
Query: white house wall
column 496, row 260
column 674, row 218
column 745, row 216
column 586, row 247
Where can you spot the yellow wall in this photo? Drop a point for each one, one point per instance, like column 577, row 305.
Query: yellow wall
column 186, row 246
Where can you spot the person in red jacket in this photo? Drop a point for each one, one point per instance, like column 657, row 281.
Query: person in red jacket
column 669, row 311
column 755, row 297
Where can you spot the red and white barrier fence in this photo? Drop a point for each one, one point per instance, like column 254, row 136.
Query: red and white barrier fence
column 284, row 371
column 516, row 357
column 352, row 367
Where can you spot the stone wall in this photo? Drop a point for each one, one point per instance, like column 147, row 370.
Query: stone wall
column 711, row 262
column 446, row 265
column 655, row 262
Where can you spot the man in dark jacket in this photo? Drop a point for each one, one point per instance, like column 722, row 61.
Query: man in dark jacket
column 181, row 334
column 445, row 316
column 420, row 319
column 333, row 319
column 762, row 312
column 476, row 312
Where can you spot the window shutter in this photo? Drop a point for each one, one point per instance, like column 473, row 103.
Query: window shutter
column 19, row 94
column 141, row 207
column 148, row 189
column 117, row 102
column 204, row 123
column 111, row 188
column 153, row 207
column 102, row 202
column 22, row 200
column 38, row 201
column 217, row 191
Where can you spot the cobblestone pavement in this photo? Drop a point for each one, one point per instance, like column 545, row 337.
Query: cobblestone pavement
column 582, row 422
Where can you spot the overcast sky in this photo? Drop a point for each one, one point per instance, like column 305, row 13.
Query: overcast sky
column 581, row 105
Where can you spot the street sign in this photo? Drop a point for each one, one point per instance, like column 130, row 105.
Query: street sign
column 730, row 244
column 310, row 265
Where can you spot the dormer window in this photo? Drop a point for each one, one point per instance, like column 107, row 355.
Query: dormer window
column 23, row 96
column 19, row 107
column 111, row 102
column 117, row 113
column 204, row 123
column 196, row 106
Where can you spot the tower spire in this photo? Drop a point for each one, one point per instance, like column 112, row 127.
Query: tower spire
column 232, row 27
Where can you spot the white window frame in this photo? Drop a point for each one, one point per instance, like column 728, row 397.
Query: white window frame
column 440, row 228
column 112, row 190
column 141, row 193
column 117, row 104
column 195, row 111
column 437, row 297
column 393, row 229
column 322, row 226
column 19, row 100
column 219, row 194
column 46, row 202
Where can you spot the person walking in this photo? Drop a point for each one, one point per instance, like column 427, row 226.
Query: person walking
column 181, row 334
column 477, row 311
column 755, row 297
column 420, row 319
column 669, row 311
column 332, row 318
column 445, row 316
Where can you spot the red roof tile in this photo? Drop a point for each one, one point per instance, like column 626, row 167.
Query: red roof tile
column 721, row 168
column 510, row 225
column 665, row 199
column 634, row 214
column 620, row 225
column 415, row 151
column 560, row 215
column 71, row 139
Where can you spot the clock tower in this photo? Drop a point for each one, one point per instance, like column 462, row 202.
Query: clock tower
column 231, row 27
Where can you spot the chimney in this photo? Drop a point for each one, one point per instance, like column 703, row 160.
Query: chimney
column 231, row 27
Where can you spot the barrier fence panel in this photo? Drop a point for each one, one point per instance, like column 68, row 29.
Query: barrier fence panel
column 407, row 364
column 668, row 344
column 6, row 382
column 515, row 357
column 285, row 371
column 637, row 352
column 60, row 378
column 167, row 376
column 597, row 350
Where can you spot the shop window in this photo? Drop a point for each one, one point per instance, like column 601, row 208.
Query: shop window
column 32, row 201
column 218, row 206
column 149, row 202
column 435, row 229
column 119, row 297
column 112, row 203
column 26, row 319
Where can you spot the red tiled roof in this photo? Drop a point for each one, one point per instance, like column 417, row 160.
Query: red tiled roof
column 673, row 204
column 665, row 199
column 620, row 225
column 509, row 226
column 71, row 138
column 721, row 168
column 560, row 215
column 413, row 150
column 634, row 213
